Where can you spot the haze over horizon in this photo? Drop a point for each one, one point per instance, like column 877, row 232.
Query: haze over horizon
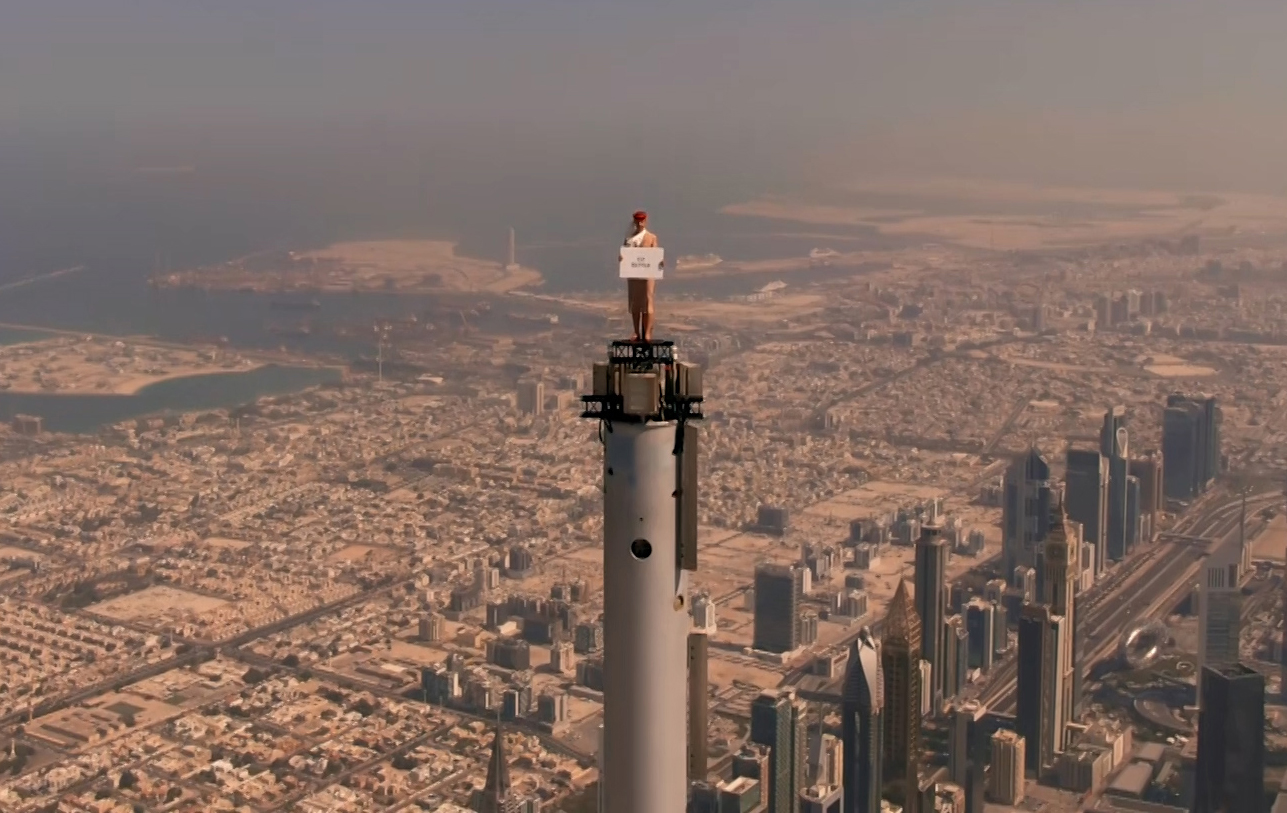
column 392, row 112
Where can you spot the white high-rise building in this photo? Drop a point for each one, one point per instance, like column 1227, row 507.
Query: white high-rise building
column 1008, row 755
column 831, row 761
column 804, row 580
column 704, row 614
column 1220, row 608
column 927, row 698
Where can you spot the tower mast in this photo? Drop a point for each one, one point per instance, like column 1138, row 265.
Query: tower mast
column 644, row 400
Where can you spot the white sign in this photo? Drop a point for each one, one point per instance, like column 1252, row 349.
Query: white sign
column 642, row 263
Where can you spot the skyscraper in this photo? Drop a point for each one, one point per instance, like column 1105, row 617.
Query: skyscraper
column 496, row 795
column 900, row 656
column 1025, row 511
column 531, row 396
column 1134, row 511
column 931, row 606
column 1114, row 446
column 1008, row 764
column 861, row 726
column 963, row 733
column 1190, row 445
column 956, row 654
column 1181, row 429
column 980, row 624
column 774, row 724
column 831, row 760
column 1114, row 420
column 1148, row 469
column 1231, row 741
column 1086, row 496
column 1061, row 588
column 957, row 623
column 1220, row 609
column 799, row 743
column 1040, row 693
column 777, row 608
column 698, row 686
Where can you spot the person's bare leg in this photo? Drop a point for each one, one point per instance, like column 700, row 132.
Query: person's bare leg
column 649, row 287
column 638, row 319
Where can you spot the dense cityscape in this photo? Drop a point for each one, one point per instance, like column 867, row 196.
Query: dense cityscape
column 975, row 532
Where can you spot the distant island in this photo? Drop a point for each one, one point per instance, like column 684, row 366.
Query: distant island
column 404, row 266
column 66, row 365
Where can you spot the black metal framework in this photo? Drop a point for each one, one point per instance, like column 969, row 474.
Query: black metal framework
column 642, row 357
column 675, row 404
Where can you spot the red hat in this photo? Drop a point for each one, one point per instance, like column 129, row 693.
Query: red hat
column 641, row 215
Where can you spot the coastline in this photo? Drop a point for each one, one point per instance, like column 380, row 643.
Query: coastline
column 87, row 412
column 406, row 267
column 134, row 388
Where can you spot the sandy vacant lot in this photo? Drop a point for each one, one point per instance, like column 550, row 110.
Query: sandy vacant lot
column 1006, row 216
column 1179, row 370
column 156, row 604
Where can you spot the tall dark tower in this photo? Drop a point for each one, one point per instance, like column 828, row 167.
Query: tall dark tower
column 900, row 656
column 775, row 722
column 862, row 730
column 1182, row 433
column 777, row 608
column 495, row 797
column 1231, row 741
column 1025, row 511
column 1039, row 694
column 931, row 606
column 698, row 704
column 1060, row 588
column 1114, row 446
column 1086, row 496
column 1190, row 445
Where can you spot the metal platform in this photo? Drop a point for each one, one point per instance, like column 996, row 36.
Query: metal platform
column 678, row 385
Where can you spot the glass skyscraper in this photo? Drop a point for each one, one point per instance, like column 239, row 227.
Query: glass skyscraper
column 1231, row 741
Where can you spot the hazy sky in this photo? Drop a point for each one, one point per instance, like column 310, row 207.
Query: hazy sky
column 1151, row 92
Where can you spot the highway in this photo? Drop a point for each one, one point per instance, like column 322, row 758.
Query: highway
column 1148, row 584
column 1147, row 562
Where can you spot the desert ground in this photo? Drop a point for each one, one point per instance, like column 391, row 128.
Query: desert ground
column 156, row 604
column 1006, row 216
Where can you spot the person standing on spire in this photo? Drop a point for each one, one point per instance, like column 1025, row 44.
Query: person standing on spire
column 640, row 291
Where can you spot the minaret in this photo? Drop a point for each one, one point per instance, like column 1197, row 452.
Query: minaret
column 900, row 656
column 495, row 797
column 513, row 255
